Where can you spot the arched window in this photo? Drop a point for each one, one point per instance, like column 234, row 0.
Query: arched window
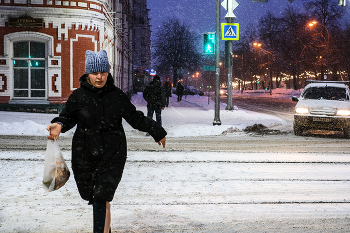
column 29, row 70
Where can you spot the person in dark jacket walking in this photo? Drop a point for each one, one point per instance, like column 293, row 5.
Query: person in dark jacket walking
column 168, row 86
column 99, row 148
column 179, row 91
column 154, row 94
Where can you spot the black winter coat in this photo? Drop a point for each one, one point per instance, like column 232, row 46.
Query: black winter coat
column 99, row 148
column 154, row 94
column 179, row 90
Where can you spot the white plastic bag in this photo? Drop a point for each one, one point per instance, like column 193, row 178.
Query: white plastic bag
column 56, row 172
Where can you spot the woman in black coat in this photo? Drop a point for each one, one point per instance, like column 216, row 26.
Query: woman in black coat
column 99, row 147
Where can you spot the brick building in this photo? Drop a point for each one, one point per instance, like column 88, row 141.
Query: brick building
column 43, row 44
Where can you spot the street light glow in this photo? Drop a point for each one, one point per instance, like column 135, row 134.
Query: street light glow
column 313, row 23
column 257, row 44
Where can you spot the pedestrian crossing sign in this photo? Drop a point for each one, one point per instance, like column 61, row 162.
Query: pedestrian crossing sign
column 230, row 31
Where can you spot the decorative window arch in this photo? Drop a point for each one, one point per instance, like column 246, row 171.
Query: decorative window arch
column 27, row 35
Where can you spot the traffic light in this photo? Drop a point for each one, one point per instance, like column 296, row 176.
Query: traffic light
column 209, row 43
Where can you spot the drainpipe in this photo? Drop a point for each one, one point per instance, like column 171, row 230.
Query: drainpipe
column 114, row 39
column 123, row 53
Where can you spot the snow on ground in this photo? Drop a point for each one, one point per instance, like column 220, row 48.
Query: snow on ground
column 198, row 194
column 193, row 116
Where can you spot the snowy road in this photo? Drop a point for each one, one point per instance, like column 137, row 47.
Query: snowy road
column 274, row 183
column 235, row 142
column 217, row 179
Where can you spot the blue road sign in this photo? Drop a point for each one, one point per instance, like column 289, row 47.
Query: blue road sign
column 230, row 31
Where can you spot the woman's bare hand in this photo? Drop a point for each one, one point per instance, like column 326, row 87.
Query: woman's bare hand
column 55, row 130
column 162, row 142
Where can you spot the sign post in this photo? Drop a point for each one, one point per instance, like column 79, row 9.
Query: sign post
column 209, row 68
column 230, row 31
column 217, row 120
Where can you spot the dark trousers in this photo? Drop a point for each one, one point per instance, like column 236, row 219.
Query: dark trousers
column 151, row 110
column 179, row 98
column 99, row 211
column 167, row 101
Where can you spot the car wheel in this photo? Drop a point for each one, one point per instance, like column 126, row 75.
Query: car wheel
column 347, row 132
column 298, row 130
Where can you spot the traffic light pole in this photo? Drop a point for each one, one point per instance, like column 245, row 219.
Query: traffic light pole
column 217, row 120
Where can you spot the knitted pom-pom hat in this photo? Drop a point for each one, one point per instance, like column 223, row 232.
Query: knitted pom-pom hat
column 96, row 62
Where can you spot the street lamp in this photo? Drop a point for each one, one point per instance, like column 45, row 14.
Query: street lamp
column 258, row 45
column 322, row 45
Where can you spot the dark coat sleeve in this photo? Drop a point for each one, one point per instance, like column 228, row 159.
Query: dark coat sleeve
column 145, row 93
column 140, row 122
column 68, row 116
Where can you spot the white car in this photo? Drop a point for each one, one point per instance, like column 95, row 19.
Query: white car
column 323, row 105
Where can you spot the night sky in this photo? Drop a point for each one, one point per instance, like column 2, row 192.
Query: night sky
column 200, row 14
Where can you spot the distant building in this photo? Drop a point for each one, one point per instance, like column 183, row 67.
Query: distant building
column 141, row 45
column 43, row 44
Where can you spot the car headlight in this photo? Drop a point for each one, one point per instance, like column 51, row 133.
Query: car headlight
column 343, row 112
column 302, row 110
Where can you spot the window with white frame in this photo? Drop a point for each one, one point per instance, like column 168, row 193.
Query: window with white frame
column 29, row 80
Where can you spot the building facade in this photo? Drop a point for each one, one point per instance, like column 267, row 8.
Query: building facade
column 141, row 45
column 43, row 45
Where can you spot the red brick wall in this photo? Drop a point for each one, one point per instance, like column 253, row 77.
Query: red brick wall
column 7, row 30
column 79, row 48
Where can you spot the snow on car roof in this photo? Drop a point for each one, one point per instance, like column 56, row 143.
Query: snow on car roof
column 323, row 84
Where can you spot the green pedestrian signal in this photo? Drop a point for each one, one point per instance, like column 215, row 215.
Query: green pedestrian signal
column 209, row 43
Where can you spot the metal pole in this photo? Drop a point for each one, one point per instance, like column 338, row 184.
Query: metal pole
column 217, row 64
column 209, row 87
column 114, row 41
column 229, row 77
column 123, row 52
column 271, row 84
column 229, row 69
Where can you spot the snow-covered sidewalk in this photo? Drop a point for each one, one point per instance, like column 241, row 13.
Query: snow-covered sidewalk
column 193, row 116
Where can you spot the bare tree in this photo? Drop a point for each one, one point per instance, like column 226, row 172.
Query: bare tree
column 297, row 47
column 270, row 32
column 246, row 61
column 292, row 45
column 326, row 11
column 343, row 57
column 328, row 15
column 175, row 47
